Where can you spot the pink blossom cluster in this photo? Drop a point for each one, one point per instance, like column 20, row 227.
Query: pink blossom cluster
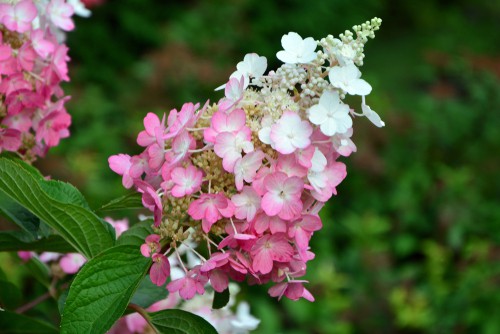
column 33, row 63
column 245, row 178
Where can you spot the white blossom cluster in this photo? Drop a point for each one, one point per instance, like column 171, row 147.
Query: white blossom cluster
column 314, row 82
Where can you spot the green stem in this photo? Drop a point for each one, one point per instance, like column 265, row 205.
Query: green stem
column 51, row 293
column 144, row 314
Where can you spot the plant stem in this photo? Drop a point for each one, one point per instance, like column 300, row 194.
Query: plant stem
column 144, row 314
column 39, row 299
column 33, row 303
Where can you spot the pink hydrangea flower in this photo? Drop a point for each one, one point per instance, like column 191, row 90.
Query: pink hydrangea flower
column 59, row 63
column 60, row 14
column 72, row 262
column 234, row 92
column 216, row 260
column 246, row 203
column 10, row 139
column 302, row 229
column 151, row 246
column 324, row 183
column 189, row 285
column 25, row 255
column 270, row 248
column 18, row 17
column 263, row 222
column 179, row 121
column 160, row 270
column 150, row 200
column 229, row 146
column 223, row 122
column 186, row 181
column 282, row 196
column 120, row 226
column 181, row 145
column 139, row 165
column 153, row 129
column 120, row 164
column 210, row 208
column 293, row 290
column 53, row 127
column 289, row 165
column 245, row 168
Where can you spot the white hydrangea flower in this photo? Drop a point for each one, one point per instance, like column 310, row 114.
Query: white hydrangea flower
column 372, row 115
column 244, row 321
column 297, row 50
column 343, row 143
column 344, row 53
column 79, row 8
column 318, row 161
column 348, row 79
column 265, row 131
column 252, row 66
column 331, row 114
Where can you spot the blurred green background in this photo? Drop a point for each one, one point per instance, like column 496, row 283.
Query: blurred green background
column 411, row 244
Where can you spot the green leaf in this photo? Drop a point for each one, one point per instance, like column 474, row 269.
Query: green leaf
column 19, row 215
column 61, row 301
column 148, row 293
column 11, row 241
column 180, row 322
column 102, row 290
column 77, row 225
column 64, row 193
column 220, row 299
column 10, row 296
column 130, row 201
column 39, row 270
column 14, row 323
column 136, row 234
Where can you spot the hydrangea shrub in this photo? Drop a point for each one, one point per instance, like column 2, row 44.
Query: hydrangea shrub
column 234, row 187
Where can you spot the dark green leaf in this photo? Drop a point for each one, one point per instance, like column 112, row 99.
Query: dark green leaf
column 77, row 225
column 39, row 270
column 148, row 293
column 180, row 322
column 10, row 296
column 136, row 234
column 18, row 241
column 14, row 323
column 62, row 300
column 220, row 299
column 19, row 215
column 130, row 201
column 102, row 290
column 111, row 230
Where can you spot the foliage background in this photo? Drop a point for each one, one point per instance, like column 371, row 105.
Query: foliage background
column 412, row 242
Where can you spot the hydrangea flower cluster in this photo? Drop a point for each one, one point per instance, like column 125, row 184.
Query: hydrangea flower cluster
column 33, row 62
column 246, row 178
